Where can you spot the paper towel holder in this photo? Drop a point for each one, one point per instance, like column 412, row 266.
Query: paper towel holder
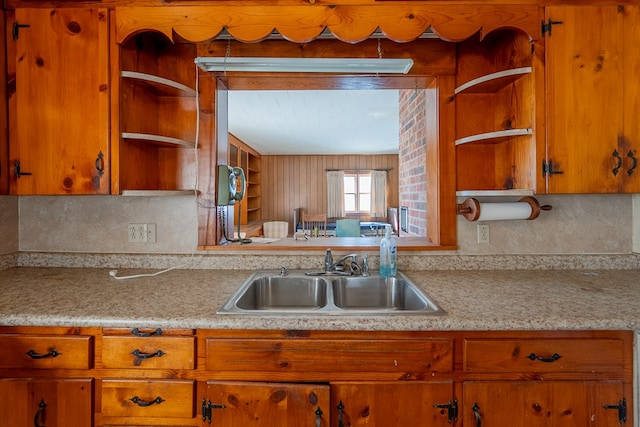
column 471, row 208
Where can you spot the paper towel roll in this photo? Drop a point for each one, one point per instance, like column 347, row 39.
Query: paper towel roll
column 526, row 208
column 504, row 211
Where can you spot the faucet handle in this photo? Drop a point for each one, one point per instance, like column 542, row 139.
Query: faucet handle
column 328, row 260
column 283, row 271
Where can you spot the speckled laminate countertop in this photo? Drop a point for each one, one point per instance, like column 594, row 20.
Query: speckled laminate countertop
column 474, row 300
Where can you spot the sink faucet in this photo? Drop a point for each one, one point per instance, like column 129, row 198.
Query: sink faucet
column 331, row 266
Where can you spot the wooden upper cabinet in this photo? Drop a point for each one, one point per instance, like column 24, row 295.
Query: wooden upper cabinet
column 496, row 115
column 154, row 148
column 241, row 155
column 592, row 110
column 61, row 143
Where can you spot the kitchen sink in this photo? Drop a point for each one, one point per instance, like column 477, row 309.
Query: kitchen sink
column 283, row 293
column 379, row 293
column 267, row 292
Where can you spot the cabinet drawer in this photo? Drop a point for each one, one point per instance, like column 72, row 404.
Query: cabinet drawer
column 320, row 355
column 547, row 355
column 170, row 352
column 46, row 351
column 148, row 398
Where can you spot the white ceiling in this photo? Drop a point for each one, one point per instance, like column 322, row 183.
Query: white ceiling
column 316, row 122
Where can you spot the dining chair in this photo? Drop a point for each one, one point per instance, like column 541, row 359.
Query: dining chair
column 314, row 225
column 275, row 229
column 348, row 228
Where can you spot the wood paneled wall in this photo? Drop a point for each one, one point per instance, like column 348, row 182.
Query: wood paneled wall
column 290, row 182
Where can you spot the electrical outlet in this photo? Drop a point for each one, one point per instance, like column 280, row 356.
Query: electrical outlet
column 141, row 233
column 483, row 233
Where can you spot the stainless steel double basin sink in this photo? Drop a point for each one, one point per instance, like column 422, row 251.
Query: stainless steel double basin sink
column 267, row 292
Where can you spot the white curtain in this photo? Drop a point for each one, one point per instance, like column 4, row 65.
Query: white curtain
column 378, row 193
column 335, row 194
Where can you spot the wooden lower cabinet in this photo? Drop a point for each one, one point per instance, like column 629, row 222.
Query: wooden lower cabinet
column 239, row 404
column 89, row 377
column 339, row 404
column 46, row 402
column 542, row 404
column 392, row 403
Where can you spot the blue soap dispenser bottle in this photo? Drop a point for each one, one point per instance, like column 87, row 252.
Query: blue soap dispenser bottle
column 388, row 249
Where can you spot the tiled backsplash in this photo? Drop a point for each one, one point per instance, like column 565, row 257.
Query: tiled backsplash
column 580, row 226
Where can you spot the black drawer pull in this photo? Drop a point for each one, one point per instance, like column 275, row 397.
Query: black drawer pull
column 35, row 355
column 551, row 359
column 138, row 333
column 140, row 356
column 143, row 403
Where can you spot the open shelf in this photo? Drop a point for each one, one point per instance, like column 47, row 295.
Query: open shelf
column 158, row 139
column 521, row 192
column 157, row 193
column 159, row 85
column 493, row 82
column 495, row 116
column 157, row 118
column 496, row 136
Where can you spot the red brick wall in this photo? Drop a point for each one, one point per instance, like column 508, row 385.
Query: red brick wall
column 412, row 173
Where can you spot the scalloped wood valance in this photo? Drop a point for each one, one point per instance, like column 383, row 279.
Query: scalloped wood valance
column 400, row 22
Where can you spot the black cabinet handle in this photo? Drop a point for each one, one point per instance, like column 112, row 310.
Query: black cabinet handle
column 553, row 358
column 340, row 408
column 318, row 417
column 634, row 163
column 476, row 412
column 35, row 355
column 100, row 163
column 39, row 414
column 618, row 165
column 143, row 403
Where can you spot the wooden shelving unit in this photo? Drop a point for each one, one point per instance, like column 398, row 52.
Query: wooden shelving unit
column 242, row 155
column 495, row 116
column 158, row 114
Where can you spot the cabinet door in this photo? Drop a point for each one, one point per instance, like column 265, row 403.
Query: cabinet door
column 50, row 402
column 630, row 148
column 267, row 404
column 584, row 66
column 541, row 404
column 62, row 100
column 391, row 404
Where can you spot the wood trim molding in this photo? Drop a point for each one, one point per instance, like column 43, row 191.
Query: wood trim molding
column 349, row 23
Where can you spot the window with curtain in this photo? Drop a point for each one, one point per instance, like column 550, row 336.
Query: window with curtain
column 357, row 193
